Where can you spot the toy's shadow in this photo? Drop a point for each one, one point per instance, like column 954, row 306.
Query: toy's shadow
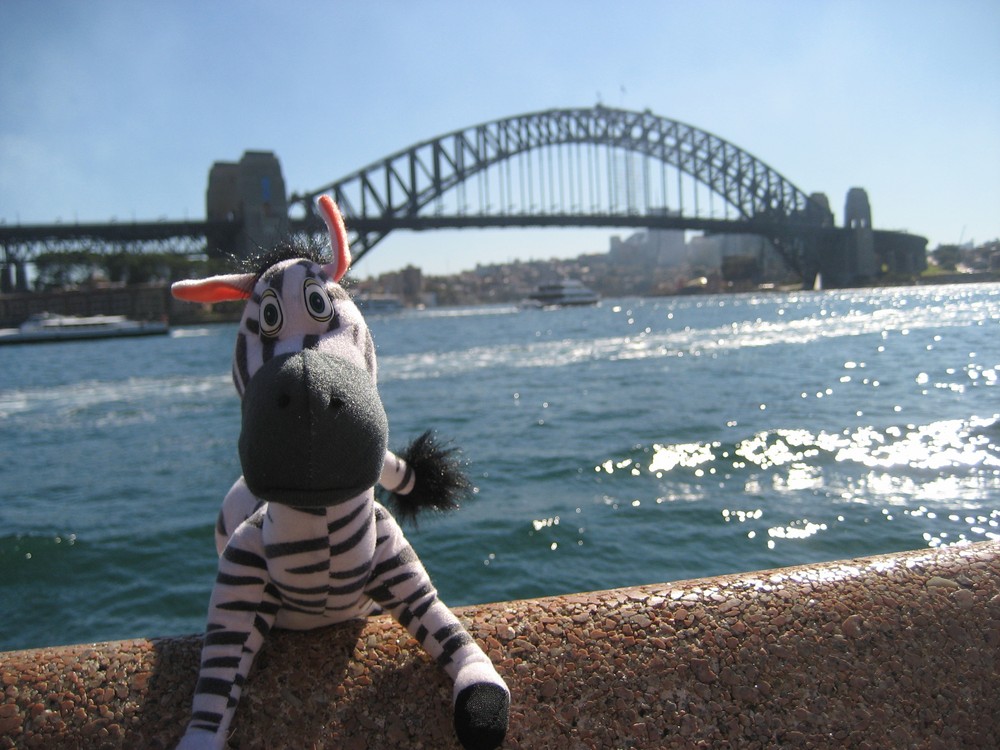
column 294, row 692
column 291, row 698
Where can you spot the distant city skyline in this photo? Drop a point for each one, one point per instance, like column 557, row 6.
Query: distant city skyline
column 118, row 110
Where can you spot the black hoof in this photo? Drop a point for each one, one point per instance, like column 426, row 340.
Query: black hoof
column 481, row 714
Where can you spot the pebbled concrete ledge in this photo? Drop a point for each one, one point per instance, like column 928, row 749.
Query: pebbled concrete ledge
column 892, row 651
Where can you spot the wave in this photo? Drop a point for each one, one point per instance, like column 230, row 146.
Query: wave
column 949, row 459
column 646, row 344
column 189, row 333
column 945, row 444
column 66, row 400
column 468, row 312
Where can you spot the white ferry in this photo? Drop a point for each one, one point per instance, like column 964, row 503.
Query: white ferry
column 564, row 293
column 378, row 304
column 45, row 327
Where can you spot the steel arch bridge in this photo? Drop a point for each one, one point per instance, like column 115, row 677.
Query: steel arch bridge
column 597, row 167
column 575, row 167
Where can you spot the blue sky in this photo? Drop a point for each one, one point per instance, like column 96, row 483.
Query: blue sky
column 117, row 108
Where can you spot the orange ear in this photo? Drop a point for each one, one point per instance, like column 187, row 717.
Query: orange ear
column 215, row 288
column 338, row 237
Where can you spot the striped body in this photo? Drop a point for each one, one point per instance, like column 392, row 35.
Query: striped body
column 302, row 542
column 296, row 569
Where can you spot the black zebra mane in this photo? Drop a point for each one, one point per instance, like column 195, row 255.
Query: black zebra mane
column 262, row 259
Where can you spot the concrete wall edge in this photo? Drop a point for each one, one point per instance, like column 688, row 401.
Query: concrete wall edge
column 898, row 650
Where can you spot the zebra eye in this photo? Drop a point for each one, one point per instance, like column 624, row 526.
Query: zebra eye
column 270, row 313
column 317, row 301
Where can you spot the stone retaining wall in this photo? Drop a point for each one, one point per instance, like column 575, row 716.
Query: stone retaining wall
column 882, row 652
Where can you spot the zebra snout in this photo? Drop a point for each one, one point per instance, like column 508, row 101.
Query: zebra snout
column 283, row 401
column 314, row 430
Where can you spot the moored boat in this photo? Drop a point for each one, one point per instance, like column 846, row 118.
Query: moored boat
column 378, row 304
column 46, row 327
column 564, row 293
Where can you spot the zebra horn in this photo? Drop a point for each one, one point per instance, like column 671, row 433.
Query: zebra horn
column 338, row 238
column 215, row 288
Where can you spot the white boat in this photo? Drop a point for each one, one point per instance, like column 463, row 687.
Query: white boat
column 378, row 304
column 45, row 327
column 564, row 293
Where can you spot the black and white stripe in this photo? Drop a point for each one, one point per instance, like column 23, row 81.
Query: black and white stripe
column 302, row 568
column 299, row 569
column 344, row 335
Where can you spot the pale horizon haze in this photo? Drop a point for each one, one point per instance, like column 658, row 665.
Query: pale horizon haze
column 117, row 110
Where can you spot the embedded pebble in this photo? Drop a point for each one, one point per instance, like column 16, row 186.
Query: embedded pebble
column 892, row 651
column 963, row 598
column 943, row 583
column 852, row 626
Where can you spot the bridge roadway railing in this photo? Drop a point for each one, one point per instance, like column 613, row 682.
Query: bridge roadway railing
column 894, row 651
column 385, row 224
column 22, row 243
column 111, row 231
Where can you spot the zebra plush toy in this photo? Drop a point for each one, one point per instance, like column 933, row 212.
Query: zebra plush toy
column 301, row 539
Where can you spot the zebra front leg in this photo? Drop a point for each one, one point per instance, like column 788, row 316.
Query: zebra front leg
column 240, row 615
column 401, row 585
column 238, row 505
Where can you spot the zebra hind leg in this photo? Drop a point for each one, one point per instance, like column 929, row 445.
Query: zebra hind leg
column 400, row 584
column 481, row 700
column 481, row 716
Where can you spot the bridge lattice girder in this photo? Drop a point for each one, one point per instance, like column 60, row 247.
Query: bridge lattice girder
column 23, row 243
column 392, row 192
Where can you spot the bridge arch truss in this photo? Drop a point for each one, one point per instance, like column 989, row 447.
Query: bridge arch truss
column 599, row 166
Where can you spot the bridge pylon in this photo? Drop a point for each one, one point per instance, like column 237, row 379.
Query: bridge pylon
column 252, row 193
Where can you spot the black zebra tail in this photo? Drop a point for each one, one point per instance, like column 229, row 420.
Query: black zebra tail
column 441, row 481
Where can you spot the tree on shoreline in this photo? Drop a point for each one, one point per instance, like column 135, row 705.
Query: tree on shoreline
column 61, row 270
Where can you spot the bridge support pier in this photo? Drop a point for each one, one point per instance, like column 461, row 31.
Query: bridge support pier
column 13, row 278
column 847, row 259
column 252, row 192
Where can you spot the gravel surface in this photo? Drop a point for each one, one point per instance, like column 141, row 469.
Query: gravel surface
column 891, row 651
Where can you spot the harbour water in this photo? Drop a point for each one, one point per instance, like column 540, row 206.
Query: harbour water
column 640, row 441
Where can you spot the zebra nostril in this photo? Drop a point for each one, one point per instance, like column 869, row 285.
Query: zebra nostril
column 336, row 403
column 283, row 400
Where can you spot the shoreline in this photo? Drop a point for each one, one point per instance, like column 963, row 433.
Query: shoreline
column 153, row 301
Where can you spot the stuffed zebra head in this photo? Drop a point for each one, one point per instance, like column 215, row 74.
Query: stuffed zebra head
column 314, row 432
